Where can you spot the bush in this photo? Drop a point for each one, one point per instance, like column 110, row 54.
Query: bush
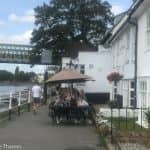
column 113, row 104
column 147, row 114
column 104, row 130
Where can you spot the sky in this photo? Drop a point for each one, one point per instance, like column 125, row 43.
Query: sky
column 17, row 22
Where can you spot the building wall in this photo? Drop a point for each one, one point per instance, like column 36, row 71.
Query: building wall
column 98, row 66
column 143, row 50
column 122, row 48
column 143, row 83
column 123, row 53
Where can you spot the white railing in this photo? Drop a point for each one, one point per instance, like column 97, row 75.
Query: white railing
column 14, row 101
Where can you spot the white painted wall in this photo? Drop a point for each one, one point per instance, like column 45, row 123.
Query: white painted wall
column 102, row 64
column 122, row 48
column 98, row 66
column 143, row 61
column 143, row 51
column 123, row 52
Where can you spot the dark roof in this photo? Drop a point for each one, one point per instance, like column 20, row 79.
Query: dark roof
column 78, row 46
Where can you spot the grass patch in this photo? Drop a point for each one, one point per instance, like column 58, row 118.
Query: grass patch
column 127, row 125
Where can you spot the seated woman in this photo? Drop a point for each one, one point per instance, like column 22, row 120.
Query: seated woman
column 83, row 107
column 82, row 102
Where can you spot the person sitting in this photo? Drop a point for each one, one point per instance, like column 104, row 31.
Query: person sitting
column 82, row 108
column 82, row 102
column 68, row 97
column 57, row 101
column 82, row 94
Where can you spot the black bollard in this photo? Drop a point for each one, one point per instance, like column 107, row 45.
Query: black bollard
column 45, row 87
column 29, row 107
column 9, row 114
column 18, row 110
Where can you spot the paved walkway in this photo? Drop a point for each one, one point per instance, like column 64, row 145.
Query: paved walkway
column 38, row 133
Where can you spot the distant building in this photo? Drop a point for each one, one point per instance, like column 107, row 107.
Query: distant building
column 40, row 77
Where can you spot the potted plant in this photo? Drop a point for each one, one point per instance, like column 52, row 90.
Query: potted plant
column 114, row 76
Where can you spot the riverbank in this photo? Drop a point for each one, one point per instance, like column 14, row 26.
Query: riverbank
column 7, row 83
column 6, row 88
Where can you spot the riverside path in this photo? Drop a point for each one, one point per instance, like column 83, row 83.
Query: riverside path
column 36, row 132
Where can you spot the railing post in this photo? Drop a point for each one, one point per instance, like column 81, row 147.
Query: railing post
column 10, row 105
column 111, row 125
column 119, row 117
column 126, row 117
column 134, row 119
column 29, row 101
column 141, row 116
column 19, row 103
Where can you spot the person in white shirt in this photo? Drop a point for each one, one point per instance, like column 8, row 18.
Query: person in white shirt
column 36, row 94
column 81, row 102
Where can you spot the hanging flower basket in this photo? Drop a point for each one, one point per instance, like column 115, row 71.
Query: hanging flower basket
column 114, row 76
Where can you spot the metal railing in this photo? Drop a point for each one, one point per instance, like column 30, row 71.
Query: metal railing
column 15, row 103
column 124, row 120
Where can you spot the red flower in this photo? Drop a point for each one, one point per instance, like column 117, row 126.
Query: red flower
column 114, row 76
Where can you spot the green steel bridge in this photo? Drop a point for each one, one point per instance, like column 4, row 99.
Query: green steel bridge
column 20, row 54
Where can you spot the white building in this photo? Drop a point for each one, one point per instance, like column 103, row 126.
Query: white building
column 143, row 72
column 97, row 65
column 128, row 53
column 130, row 45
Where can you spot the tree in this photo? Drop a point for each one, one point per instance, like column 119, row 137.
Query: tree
column 16, row 73
column 6, row 76
column 65, row 21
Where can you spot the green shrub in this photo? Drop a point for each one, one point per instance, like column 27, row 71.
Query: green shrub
column 147, row 114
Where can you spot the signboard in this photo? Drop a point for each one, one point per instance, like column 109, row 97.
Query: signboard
column 46, row 57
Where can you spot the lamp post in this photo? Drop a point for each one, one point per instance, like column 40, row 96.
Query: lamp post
column 45, row 86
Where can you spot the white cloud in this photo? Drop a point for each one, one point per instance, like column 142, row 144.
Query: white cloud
column 27, row 17
column 23, row 38
column 2, row 22
column 116, row 9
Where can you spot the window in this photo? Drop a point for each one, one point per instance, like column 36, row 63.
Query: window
column 91, row 66
column 132, row 84
column 82, row 69
column 148, row 29
column 132, row 93
column 143, row 92
column 128, row 93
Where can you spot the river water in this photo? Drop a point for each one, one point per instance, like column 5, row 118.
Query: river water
column 7, row 89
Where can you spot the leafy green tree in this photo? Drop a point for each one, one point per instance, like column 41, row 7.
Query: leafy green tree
column 16, row 73
column 65, row 21
column 6, row 75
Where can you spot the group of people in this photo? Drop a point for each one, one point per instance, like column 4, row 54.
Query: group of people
column 70, row 103
column 68, row 98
